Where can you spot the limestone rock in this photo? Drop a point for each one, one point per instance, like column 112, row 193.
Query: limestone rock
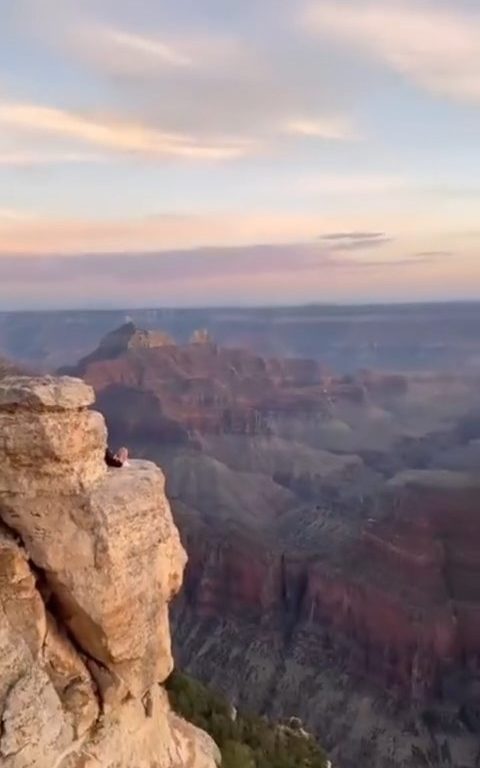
column 161, row 739
column 113, row 560
column 45, row 392
column 83, row 650
column 22, row 608
column 115, row 603
column 50, row 444
column 46, row 697
column 105, row 540
column 70, row 678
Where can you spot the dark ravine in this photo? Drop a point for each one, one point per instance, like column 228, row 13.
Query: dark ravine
column 380, row 660
column 332, row 529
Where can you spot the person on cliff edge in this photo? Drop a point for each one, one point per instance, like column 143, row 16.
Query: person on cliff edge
column 118, row 459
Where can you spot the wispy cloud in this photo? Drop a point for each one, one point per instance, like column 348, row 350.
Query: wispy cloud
column 199, row 263
column 65, row 235
column 435, row 255
column 355, row 241
column 143, row 51
column 119, row 51
column 75, row 262
column 30, row 159
column 355, row 235
column 180, row 73
column 117, row 135
column 45, row 232
column 436, row 47
column 336, row 128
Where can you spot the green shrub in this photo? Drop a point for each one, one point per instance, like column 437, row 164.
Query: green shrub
column 245, row 741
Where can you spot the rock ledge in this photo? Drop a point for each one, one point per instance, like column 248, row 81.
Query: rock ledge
column 85, row 638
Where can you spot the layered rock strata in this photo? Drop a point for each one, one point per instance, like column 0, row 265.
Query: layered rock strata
column 89, row 560
column 374, row 641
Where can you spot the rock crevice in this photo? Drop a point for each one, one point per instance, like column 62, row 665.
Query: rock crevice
column 82, row 651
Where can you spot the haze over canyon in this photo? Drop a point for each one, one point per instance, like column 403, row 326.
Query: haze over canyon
column 330, row 517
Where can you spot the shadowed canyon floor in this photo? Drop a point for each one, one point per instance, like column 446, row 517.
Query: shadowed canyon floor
column 332, row 529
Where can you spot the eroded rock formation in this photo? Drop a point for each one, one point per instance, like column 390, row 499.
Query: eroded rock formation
column 373, row 640
column 201, row 386
column 89, row 560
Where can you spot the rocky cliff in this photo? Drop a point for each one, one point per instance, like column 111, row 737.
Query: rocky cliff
column 89, row 560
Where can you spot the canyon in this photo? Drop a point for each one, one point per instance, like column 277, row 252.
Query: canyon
column 414, row 337
column 331, row 522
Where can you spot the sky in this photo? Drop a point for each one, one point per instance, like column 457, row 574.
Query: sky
column 215, row 152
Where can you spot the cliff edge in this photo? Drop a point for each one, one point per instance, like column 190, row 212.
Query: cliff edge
column 89, row 560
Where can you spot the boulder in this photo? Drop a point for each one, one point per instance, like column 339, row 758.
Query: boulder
column 45, row 393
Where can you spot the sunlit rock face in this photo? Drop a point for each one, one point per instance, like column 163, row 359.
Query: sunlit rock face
column 89, row 560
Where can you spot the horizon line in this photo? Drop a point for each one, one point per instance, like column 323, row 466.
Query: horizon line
column 385, row 304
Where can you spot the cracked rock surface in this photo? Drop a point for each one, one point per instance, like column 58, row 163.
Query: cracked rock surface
column 89, row 560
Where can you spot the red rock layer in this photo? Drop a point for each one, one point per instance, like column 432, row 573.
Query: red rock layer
column 401, row 604
column 206, row 388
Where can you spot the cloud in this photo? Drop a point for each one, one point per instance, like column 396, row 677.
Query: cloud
column 116, row 135
column 202, row 73
column 24, row 232
column 355, row 235
column 343, row 242
column 140, row 52
column 256, row 273
column 437, row 48
column 247, row 262
column 30, row 159
column 49, row 233
column 363, row 244
column 121, row 52
column 240, row 83
column 335, row 128
column 434, row 255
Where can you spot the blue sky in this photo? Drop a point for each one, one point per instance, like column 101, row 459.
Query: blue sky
column 204, row 152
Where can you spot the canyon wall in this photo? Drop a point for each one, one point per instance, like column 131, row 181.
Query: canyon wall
column 89, row 560
column 373, row 640
column 334, row 563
